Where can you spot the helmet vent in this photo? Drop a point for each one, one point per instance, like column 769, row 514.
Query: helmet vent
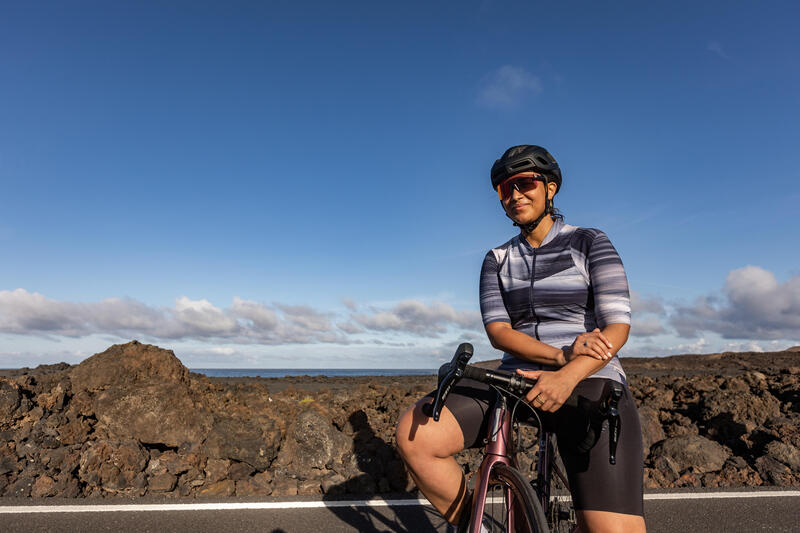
column 543, row 161
column 519, row 165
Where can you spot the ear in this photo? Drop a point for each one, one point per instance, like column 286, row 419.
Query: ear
column 552, row 187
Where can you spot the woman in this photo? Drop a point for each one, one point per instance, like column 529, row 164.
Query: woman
column 555, row 299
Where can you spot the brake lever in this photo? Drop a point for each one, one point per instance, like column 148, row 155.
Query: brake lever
column 448, row 375
column 612, row 413
column 443, row 392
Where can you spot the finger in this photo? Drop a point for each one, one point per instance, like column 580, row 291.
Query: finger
column 533, row 393
column 548, row 406
column 595, row 348
column 594, row 355
column 530, row 374
column 605, row 340
column 585, row 347
column 600, row 348
column 602, row 336
column 539, row 402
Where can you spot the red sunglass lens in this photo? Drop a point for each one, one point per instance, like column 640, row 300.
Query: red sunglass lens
column 523, row 185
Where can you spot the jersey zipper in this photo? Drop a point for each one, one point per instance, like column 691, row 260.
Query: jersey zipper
column 533, row 307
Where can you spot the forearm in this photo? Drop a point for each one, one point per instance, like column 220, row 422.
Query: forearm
column 580, row 367
column 522, row 345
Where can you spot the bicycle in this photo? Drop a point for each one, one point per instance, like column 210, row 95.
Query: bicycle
column 537, row 506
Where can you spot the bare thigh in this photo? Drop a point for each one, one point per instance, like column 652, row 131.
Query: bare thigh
column 418, row 434
column 605, row 522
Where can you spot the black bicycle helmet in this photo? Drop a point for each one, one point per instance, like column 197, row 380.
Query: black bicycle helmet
column 526, row 158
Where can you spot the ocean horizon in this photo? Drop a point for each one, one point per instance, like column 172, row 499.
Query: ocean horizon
column 312, row 372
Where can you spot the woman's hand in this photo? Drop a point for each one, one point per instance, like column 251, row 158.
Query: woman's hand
column 592, row 344
column 551, row 390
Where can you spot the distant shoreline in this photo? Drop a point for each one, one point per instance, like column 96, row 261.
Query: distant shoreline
column 725, row 363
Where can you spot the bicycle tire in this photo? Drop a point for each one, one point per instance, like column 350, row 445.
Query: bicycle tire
column 527, row 511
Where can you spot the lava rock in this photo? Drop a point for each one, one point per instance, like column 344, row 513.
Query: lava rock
column 9, row 401
column 123, row 365
column 700, row 453
column 113, row 466
column 312, row 442
column 242, row 440
column 160, row 413
column 785, row 453
column 652, row 431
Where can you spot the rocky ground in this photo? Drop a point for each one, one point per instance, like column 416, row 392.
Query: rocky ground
column 133, row 421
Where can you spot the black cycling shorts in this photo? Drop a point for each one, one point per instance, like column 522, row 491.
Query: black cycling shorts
column 596, row 485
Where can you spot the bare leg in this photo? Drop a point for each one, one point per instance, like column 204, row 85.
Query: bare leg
column 605, row 522
column 427, row 447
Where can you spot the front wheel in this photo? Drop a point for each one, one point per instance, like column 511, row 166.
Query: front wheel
column 508, row 485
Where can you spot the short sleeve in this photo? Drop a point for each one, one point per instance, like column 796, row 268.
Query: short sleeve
column 493, row 308
column 609, row 283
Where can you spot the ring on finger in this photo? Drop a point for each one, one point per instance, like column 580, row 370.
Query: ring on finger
column 539, row 399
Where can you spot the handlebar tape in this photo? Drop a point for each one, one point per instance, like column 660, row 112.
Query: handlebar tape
column 514, row 382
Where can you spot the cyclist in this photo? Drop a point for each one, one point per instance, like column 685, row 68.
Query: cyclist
column 555, row 299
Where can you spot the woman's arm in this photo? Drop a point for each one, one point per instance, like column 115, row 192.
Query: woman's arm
column 504, row 337
column 553, row 388
column 579, row 368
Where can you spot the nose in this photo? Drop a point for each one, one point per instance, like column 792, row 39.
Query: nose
column 515, row 193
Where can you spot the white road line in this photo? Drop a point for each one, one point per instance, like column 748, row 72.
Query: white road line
column 24, row 509
column 722, row 495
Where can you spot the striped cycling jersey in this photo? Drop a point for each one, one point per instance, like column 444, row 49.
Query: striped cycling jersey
column 572, row 283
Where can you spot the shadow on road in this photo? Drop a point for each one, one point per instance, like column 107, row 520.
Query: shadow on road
column 380, row 464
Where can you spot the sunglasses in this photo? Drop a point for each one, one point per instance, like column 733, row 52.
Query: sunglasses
column 521, row 184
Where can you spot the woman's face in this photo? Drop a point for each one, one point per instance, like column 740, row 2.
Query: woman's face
column 525, row 207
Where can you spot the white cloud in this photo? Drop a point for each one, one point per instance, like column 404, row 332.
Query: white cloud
column 203, row 318
column 245, row 322
column 413, row 316
column 305, row 317
column 646, row 304
column 122, row 314
column 222, row 350
column 716, row 48
column 754, row 305
column 646, row 327
column 262, row 319
column 507, row 87
column 22, row 311
column 349, row 327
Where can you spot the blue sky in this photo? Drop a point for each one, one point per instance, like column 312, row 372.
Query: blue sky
column 305, row 184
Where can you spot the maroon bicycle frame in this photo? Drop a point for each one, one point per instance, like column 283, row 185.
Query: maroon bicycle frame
column 498, row 450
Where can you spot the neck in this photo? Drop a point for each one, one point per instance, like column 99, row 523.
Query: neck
column 536, row 237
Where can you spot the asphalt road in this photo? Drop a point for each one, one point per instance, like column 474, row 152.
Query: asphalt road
column 690, row 511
